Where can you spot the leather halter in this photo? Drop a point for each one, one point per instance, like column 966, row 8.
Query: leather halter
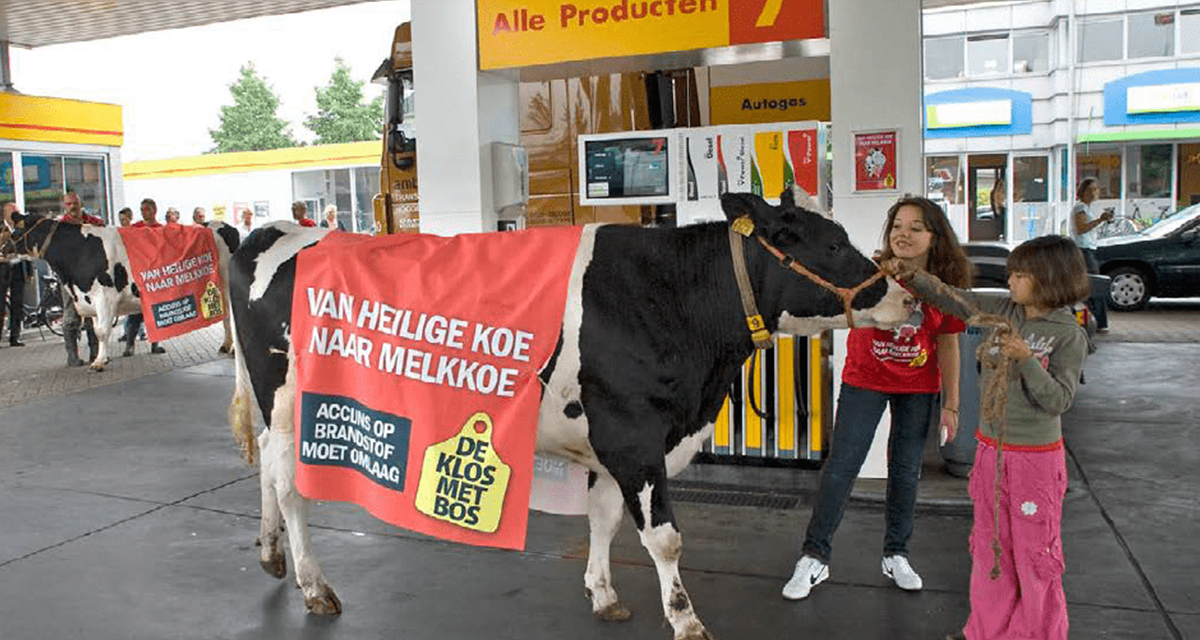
column 758, row 333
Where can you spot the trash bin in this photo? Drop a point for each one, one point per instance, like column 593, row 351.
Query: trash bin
column 959, row 453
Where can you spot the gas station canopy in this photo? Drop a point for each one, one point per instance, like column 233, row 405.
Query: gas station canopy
column 40, row 23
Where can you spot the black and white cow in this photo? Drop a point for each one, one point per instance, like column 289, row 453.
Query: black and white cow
column 92, row 261
column 653, row 336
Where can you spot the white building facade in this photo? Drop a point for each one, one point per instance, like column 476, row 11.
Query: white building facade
column 1024, row 99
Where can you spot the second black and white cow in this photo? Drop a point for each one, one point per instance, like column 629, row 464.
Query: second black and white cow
column 92, row 262
column 653, row 336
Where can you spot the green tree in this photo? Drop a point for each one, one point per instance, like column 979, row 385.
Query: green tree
column 250, row 124
column 342, row 116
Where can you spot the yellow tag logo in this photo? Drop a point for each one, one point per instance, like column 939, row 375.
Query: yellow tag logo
column 920, row 360
column 211, row 304
column 463, row 481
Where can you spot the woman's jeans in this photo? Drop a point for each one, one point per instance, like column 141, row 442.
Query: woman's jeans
column 858, row 413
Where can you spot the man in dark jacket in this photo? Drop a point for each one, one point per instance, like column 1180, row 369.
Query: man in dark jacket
column 12, row 286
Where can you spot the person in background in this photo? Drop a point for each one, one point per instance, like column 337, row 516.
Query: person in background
column 72, row 323
column 12, row 285
column 1083, row 232
column 300, row 214
column 134, row 322
column 247, row 223
column 172, row 215
column 198, row 216
column 1016, row 537
column 125, row 219
column 330, row 220
column 909, row 369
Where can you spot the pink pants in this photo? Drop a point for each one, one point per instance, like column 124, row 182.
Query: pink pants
column 1026, row 601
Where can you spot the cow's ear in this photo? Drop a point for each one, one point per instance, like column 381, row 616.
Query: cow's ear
column 736, row 205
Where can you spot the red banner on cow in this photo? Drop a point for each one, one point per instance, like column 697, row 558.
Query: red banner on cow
column 416, row 361
column 177, row 275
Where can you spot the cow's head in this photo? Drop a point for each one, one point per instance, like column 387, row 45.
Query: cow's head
column 30, row 234
column 799, row 304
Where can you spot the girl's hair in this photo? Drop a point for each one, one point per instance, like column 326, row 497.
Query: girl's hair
column 1058, row 269
column 1083, row 186
column 329, row 208
column 947, row 261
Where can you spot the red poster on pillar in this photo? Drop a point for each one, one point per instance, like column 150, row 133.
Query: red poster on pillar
column 417, row 360
column 875, row 161
column 176, row 271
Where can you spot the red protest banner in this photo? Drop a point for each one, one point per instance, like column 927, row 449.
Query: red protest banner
column 416, row 362
column 176, row 272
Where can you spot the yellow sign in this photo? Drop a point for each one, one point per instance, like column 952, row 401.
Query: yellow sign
column 58, row 120
column 771, row 102
column 518, row 33
column 463, row 481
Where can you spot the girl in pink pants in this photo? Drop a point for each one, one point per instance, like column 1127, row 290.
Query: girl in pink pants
column 1017, row 594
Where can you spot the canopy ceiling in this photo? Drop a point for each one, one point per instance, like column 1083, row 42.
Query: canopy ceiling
column 40, row 23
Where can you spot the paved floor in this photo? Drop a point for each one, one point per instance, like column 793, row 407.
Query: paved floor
column 126, row 513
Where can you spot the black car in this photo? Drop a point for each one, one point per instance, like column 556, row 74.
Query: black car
column 1161, row 261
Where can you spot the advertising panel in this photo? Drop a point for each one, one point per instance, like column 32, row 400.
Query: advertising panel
column 524, row 33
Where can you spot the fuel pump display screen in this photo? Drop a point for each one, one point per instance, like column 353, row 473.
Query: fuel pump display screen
column 627, row 168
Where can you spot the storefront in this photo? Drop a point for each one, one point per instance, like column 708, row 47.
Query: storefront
column 1147, row 156
column 49, row 146
column 266, row 182
column 974, row 141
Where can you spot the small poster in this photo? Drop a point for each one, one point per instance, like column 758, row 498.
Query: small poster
column 875, row 163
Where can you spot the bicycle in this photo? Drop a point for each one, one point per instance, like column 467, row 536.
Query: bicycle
column 47, row 311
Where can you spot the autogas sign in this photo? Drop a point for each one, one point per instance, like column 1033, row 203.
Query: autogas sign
column 519, row 33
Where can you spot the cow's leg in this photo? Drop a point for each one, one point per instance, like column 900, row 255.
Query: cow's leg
column 605, row 510
column 270, row 554
column 279, row 463
column 102, row 325
column 656, row 526
column 227, row 345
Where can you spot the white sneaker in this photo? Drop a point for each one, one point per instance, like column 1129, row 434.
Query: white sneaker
column 809, row 573
column 898, row 569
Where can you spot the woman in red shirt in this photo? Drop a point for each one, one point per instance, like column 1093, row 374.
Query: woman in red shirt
column 906, row 369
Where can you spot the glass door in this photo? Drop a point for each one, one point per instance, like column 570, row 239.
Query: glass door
column 987, row 199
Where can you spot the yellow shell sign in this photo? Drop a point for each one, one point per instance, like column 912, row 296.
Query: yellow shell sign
column 463, row 481
column 518, row 33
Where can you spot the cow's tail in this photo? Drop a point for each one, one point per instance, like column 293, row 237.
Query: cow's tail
column 241, row 421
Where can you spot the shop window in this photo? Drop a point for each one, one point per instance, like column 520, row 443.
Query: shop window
column 1103, row 164
column 1031, row 197
column 42, row 178
column 1031, row 53
column 987, row 55
column 366, row 186
column 944, row 58
column 1188, row 179
column 1149, row 187
column 8, row 190
column 86, row 177
column 1100, row 40
column 1151, row 35
column 943, row 180
column 1189, row 31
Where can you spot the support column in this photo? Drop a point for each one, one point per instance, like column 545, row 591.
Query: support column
column 459, row 113
column 875, row 83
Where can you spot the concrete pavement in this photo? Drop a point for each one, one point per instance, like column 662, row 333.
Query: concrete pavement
column 125, row 513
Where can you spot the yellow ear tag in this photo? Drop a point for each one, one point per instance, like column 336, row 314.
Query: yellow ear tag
column 463, row 481
column 211, row 305
column 743, row 226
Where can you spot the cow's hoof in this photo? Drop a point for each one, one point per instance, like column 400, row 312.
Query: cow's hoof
column 127, row 352
column 325, row 604
column 223, row 349
column 695, row 633
column 97, row 366
column 613, row 613
column 276, row 566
